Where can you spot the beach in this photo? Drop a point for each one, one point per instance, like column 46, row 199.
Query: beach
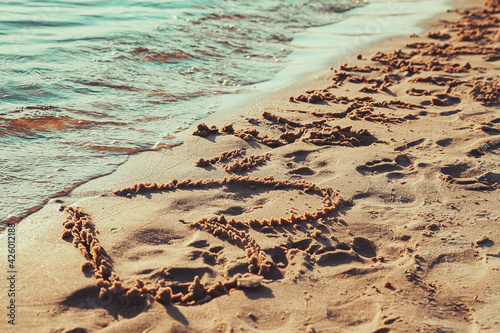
column 361, row 198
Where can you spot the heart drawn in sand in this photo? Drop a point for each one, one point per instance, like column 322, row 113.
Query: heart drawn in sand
column 79, row 226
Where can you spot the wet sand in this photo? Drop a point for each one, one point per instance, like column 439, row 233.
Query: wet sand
column 364, row 199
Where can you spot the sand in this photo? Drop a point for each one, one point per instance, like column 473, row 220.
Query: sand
column 364, row 199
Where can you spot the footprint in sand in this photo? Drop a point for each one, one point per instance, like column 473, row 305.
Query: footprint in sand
column 485, row 148
column 445, row 142
column 396, row 168
column 471, row 175
column 399, row 186
column 301, row 162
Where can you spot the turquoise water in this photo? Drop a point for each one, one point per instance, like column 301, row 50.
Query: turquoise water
column 84, row 83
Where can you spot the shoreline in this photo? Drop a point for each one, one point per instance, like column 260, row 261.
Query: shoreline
column 305, row 70
column 167, row 107
column 415, row 164
column 297, row 68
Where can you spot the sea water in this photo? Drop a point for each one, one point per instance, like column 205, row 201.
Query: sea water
column 83, row 83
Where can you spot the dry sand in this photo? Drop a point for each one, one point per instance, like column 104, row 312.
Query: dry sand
column 366, row 204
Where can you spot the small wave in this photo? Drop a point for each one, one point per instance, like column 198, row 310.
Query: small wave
column 26, row 24
column 23, row 126
column 161, row 57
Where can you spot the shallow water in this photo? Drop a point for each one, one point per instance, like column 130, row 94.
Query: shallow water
column 84, row 83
